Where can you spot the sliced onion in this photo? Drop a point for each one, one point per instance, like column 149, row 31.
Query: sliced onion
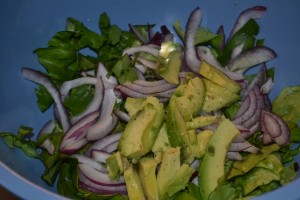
column 138, row 35
column 103, row 142
column 256, row 12
column 147, row 63
column 273, row 126
column 144, row 48
column 190, row 55
column 41, row 79
column 78, row 132
column 99, row 156
column 260, row 78
column 109, row 81
column 47, row 144
column 236, row 51
column 221, row 32
column 107, row 120
column 251, row 57
column 267, row 86
column 248, row 112
column 88, row 185
column 234, row 155
column 111, row 147
column 122, row 115
column 98, row 177
column 82, row 159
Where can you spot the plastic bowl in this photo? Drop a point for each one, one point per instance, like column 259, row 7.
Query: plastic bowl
column 28, row 24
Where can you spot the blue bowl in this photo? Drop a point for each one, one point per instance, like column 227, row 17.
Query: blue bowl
column 28, row 24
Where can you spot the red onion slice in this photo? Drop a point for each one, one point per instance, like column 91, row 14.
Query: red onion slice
column 273, row 126
column 256, row 12
column 98, row 177
column 82, row 159
column 107, row 121
column 267, row 86
column 122, row 115
column 249, row 112
column 99, row 156
column 234, row 155
column 147, row 63
column 111, row 147
column 144, row 48
column 137, row 34
column 47, row 144
column 88, row 185
column 251, row 57
column 190, row 55
column 109, row 81
column 103, row 142
column 41, row 79
column 78, row 132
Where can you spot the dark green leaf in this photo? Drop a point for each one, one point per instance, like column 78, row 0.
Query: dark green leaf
column 78, row 99
column 124, row 70
column 114, row 35
column 104, row 23
column 14, row 141
column 44, row 99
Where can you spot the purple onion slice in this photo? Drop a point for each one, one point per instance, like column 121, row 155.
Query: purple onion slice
column 251, row 57
column 190, row 55
column 41, row 79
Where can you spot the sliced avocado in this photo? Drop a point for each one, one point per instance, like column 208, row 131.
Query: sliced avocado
column 133, row 183
column 162, row 141
column 212, row 73
column 132, row 105
column 192, row 135
column 114, row 166
column 147, row 174
column 217, row 97
column 212, row 166
column 200, row 147
column 272, row 162
column 255, row 178
column 172, row 176
column 142, row 129
column 191, row 100
column 169, row 62
column 201, row 121
column 245, row 165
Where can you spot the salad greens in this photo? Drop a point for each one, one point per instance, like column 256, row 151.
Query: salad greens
column 77, row 50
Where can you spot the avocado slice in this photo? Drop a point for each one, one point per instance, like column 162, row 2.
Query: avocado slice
column 217, row 97
column 114, row 166
column 131, row 143
column 190, row 98
column 133, row 183
column 147, row 174
column 169, row 62
column 172, row 176
column 200, row 147
column 255, row 178
column 201, row 121
column 212, row 166
column 132, row 105
column 142, row 129
column 212, row 73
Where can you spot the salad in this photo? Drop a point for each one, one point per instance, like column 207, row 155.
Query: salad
column 151, row 118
